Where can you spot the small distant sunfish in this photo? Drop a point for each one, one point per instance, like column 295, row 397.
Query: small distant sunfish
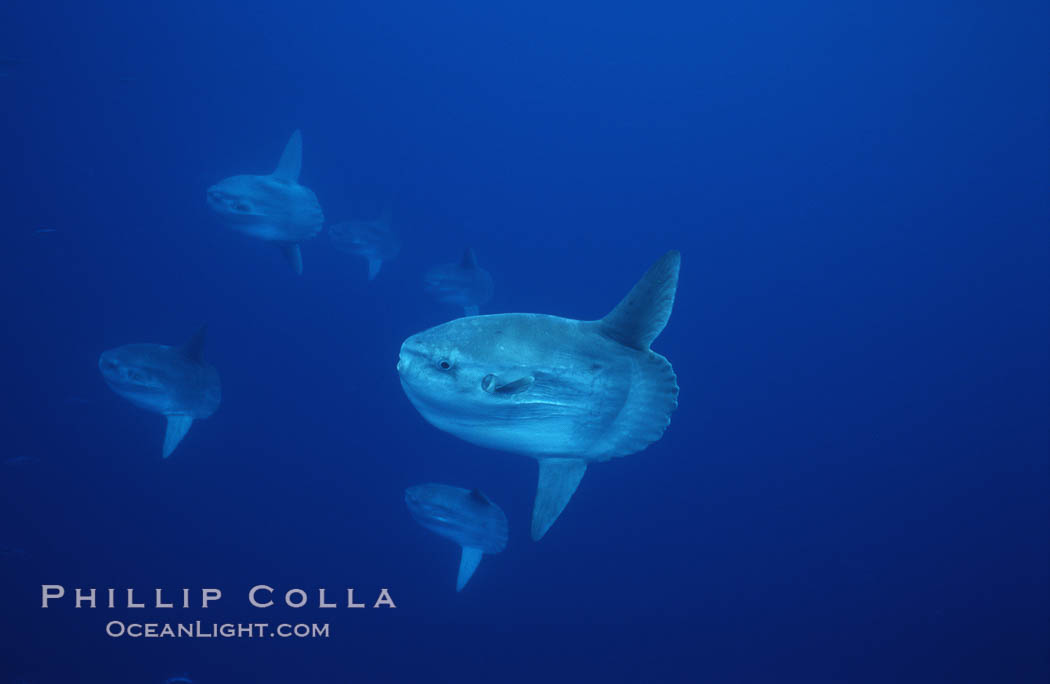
column 173, row 381
column 565, row 392
column 20, row 461
column 374, row 240
column 461, row 284
column 273, row 208
column 11, row 552
column 467, row 517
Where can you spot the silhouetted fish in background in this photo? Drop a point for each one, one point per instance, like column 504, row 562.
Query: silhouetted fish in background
column 11, row 552
column 178, row 679
column 467, row 517
column 172, row 381
column 8, row 65
column 374, row 240
column 274, row 208
column 462, row 284
column 562, row 391
column 21, row 461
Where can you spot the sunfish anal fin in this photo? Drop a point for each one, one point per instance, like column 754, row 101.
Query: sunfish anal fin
column 374, row 265
column 178, row 426
column 468, row 563
column 291, row 252
column 559, row 478
column 291, row 160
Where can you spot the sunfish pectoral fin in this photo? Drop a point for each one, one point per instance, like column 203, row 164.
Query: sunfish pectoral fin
column 493, row 385
column 178, row 426
column 470, row 310
column 374, row 264
column 294, row 256
column 515, row 386
column 559, row 478
column 643, row 313
column 291, row 160
column 468, row 563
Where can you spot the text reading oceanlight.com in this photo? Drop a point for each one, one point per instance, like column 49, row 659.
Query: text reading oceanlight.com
column 199, row 630
column 259, row 596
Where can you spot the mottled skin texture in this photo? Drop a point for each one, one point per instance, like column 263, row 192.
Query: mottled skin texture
column 162, row 379
column 458, row 514
column 581, row 381
column 267, row 208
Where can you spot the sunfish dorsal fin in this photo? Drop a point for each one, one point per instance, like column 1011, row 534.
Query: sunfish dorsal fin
column 643, row 313
column 291, row 160
column 469, row 260
column 559, row 478
column 194, row 347
column 468, row 563
column 294, row 256
column 178, row 426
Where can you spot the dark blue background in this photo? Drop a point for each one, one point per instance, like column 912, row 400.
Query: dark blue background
column 854, row 488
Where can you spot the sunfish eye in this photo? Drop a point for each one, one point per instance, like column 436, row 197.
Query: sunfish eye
column 488, row 383
column 444, row 365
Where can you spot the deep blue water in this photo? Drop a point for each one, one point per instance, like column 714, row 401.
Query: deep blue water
column 854, row 487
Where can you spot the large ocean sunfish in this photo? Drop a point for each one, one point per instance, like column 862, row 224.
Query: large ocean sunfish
column 173, row 381
column 565, row 392
column 467, row 517
column 274, row 208
column 462, row 284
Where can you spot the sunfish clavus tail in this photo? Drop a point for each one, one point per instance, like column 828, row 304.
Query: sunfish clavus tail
column 635, row 322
